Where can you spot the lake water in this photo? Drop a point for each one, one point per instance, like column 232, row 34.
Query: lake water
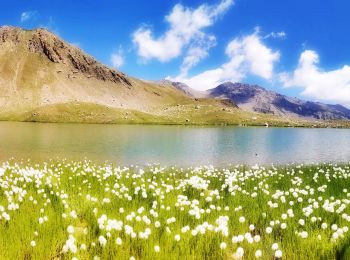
column 173, row 145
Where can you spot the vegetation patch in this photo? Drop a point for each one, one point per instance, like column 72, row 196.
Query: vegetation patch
column 81, row 210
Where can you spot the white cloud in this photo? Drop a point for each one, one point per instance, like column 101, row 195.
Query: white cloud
column 333, row 85
column 117, row 59
column 195, row 53
column 247, row 55
column 28, row 15
column 186, row 27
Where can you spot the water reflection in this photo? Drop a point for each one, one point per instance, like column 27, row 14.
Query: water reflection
column 173, row 145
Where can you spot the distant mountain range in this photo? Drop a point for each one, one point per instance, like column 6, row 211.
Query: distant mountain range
column 254, row 98
column 43, row 78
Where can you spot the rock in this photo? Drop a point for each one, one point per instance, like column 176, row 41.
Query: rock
column 45, row 43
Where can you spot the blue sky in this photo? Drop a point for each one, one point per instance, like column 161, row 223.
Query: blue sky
column 299, row 48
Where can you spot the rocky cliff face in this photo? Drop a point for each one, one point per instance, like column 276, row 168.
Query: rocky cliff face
column 47, row 44
column 257, row 99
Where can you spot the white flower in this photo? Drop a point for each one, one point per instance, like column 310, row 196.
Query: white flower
column 274, row 246
column 278, row 254
column 304, row 234
column 239, row 252
column 269, row 230
column 70, row 229
column 223, row 245
column 32, row 243
column 234, row 240
column 177, row 237
column 334, row 227
column 102, row 240
column 242, row 219
column 258, row 253
column 118, row 241
column 257, row 238
column 156, row 249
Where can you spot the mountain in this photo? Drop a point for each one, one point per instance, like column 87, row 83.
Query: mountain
column 43, row 78
column 257, row 99
column 37, row 68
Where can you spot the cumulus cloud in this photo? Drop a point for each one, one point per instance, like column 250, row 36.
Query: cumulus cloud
column 117, row 59
column 333, row 85
column 186, row 28
column 28, row 15
column 247, row 55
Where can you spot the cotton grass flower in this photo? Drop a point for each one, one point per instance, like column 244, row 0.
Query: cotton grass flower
column 118, row 241
column 70, row 229
column 223, row 245
column 102, row 241
column 258, row 253
column 278, row 254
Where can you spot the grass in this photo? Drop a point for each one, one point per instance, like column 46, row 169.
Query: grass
column 186, row 112
column 62, row 209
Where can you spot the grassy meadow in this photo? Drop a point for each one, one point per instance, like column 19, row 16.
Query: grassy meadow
column 201, row 112
column 81, row 210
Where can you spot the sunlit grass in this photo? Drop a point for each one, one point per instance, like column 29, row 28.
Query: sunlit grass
column 79, row 209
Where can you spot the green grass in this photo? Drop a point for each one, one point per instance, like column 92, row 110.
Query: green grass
column 186, row 112
column 55, row 189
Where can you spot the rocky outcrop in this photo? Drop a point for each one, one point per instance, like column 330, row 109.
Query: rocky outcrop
column 47, row 44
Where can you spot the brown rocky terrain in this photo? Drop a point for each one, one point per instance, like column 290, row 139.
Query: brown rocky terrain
column 45, row 43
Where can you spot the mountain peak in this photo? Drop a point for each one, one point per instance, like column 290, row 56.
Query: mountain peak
column 258, row 99
column 47, row 44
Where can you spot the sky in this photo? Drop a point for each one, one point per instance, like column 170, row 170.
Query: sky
column 295, row 47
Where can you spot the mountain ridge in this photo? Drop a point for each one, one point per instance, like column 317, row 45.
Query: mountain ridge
column 45, row 43
column 255, row 98
column 258, row 99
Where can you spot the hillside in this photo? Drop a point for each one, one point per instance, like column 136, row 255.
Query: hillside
column 38, row 69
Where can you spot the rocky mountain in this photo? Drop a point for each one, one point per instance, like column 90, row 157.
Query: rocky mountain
column 257, row 99
column 38, row 68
